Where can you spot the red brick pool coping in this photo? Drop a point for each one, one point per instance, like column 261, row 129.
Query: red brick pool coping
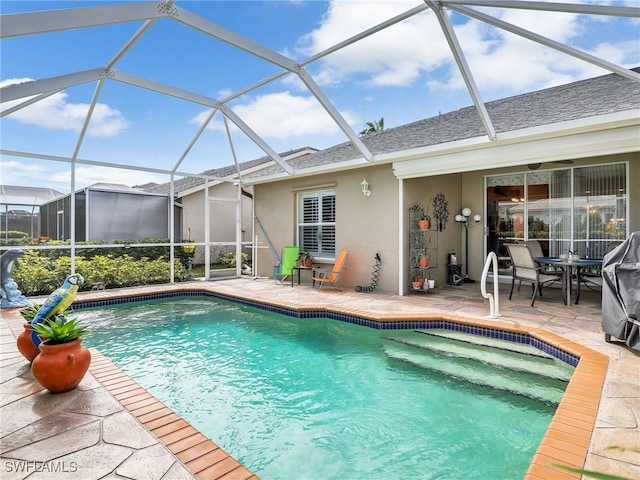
column 565, row 442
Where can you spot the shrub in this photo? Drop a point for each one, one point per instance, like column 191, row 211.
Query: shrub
column 13, row 237
column 40, row 275
column 229, row 259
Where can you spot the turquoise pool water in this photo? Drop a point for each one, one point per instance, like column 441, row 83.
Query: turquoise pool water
column 312, row 398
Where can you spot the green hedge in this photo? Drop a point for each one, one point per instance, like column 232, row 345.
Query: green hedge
column 41, row 274
column 136, row 253
column 13, row 237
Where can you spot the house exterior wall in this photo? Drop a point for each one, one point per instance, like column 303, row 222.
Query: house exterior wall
column 364, row 225
column 421, row 191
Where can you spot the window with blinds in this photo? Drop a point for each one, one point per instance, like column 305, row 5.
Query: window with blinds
column 581, row 209
column 317, row 223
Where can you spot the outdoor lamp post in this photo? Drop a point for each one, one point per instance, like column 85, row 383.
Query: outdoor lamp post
column 463, row 219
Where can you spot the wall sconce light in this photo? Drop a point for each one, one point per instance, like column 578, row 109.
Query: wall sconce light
column 463, row 219
column 365, row 188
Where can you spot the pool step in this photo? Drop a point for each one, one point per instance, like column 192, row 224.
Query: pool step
column 486, row 342
column 499, row 353
column 500, row 365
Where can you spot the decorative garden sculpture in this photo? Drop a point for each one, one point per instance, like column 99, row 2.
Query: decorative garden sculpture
column 57, row 302
column 11, row 296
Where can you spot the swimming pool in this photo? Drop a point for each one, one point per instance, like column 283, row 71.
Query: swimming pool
column 314, row 398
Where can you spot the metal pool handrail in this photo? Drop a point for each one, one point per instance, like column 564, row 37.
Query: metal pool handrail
column 494, row 307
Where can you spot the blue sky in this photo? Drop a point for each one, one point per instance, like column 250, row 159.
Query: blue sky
column 403, row 74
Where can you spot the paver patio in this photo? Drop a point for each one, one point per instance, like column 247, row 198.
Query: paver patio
column 111, row 428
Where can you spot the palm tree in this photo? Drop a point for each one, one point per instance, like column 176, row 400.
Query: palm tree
column 373, row 127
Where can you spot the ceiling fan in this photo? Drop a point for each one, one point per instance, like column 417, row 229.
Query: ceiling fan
column 535, row 166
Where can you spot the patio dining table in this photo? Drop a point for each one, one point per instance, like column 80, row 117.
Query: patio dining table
column 567, row 270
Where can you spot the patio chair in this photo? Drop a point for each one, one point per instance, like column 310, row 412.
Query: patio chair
column 526, row 270
column 591, row 279
column 289, row 260
column 535, row 248
column 536, row 252
column 332, row 276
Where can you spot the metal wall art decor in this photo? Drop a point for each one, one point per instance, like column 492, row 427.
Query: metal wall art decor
column 440, row 211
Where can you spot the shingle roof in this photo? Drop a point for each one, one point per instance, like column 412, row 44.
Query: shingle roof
column 583, row 99
column 187, row 183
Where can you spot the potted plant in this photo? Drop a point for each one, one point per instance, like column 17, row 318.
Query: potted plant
column 63, row 361
column 305, row 259
column 24, row 343
column 424, row 222
column 418, row 283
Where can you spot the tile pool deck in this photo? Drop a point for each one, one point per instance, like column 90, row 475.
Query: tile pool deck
column 109, row 427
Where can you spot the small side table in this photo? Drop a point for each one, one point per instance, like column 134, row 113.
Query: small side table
column 299, row 269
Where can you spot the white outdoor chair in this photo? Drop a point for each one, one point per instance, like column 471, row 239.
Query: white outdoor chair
column 526, row 270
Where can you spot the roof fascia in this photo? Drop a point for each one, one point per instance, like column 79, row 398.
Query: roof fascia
column 569, row 144
column 319, row 170
column 601, row 135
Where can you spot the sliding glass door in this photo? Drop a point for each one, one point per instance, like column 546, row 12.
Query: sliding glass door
column 600, row 209
column 581, row 210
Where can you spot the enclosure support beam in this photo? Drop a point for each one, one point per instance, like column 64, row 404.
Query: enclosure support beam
column 458, row 55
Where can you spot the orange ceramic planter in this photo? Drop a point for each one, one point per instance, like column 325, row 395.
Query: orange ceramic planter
column 25, row 345
column 424, row 224
column 60, row 368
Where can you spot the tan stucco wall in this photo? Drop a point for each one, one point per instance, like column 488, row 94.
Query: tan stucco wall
column 421, row 191
column 222, row 218
column 369, row 225
column 364, row 225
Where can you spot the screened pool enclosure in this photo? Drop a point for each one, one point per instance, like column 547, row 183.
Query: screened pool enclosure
column 224, row 152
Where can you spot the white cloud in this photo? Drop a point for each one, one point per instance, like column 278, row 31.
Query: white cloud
column 14, row 172
column 57, row 113
column 415, row 51
column 281, row 116
column 57, row 175
column 88, row 175
column 395, row 56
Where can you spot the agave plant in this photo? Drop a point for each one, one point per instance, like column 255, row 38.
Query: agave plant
column 60, row 329
column 30, row 313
